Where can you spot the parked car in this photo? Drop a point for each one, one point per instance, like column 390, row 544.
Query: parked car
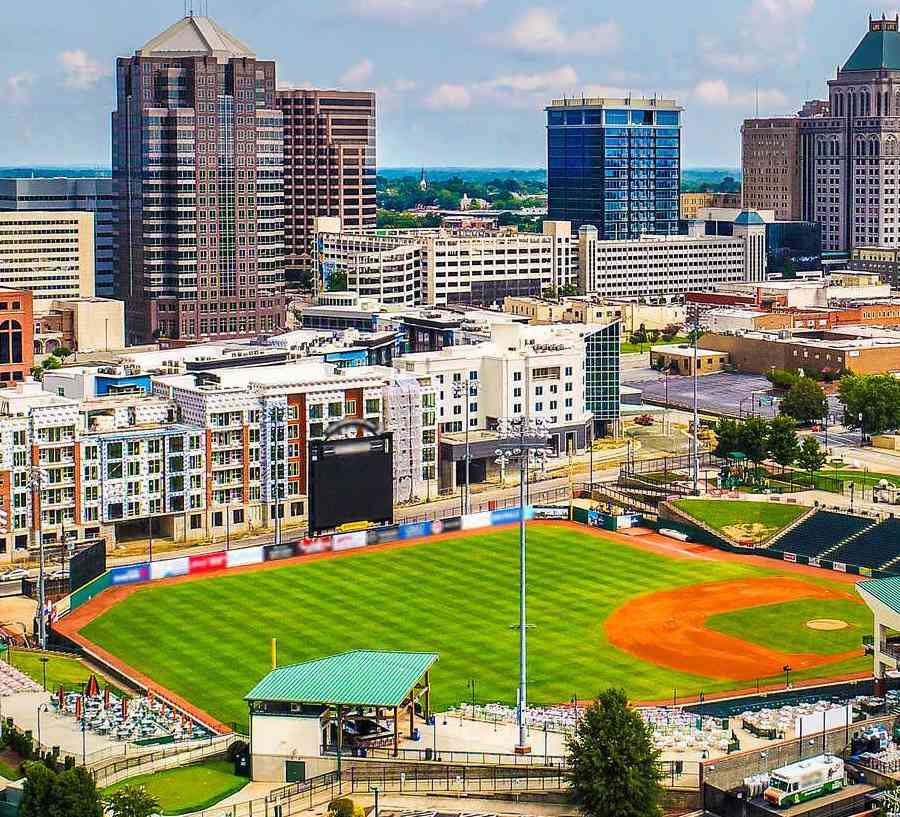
column 58, row 575
column 14, row 574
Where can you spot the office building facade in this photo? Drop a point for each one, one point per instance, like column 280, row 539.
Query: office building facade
column 93, row 195
column 329, row 166
column 51, row 254
column 770, row 166
column 615, row 164
column 198, row 172
column 851, row 155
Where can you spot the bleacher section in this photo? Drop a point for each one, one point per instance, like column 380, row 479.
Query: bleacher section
column 874, row 548
column 821, row 531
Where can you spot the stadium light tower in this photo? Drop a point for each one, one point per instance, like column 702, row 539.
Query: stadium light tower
column 523, row 440
column 469, row 389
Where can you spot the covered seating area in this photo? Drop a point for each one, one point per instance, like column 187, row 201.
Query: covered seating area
column 342, row 704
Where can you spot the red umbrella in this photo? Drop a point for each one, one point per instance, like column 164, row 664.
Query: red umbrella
column 93, row 687
column 124, row 708
column 106, row 698
column 78, row 708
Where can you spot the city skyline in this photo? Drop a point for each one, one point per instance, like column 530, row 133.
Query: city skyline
column 448, row 73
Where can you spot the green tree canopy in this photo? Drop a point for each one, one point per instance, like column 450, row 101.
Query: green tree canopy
column 812, row 456
column 783, row 443
column 614, row 766
column 805, row 401
column 728, row 433
column 72, row 793
column 876, row 397
column 754, row 439
column 132, row 801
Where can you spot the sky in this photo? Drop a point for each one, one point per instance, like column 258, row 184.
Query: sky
column 459, row 82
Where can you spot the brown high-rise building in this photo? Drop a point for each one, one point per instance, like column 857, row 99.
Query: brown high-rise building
column 329, row 165
column 770, row 155
column 197, row 167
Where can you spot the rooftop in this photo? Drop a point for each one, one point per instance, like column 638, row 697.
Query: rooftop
column 196, row 37
column 879, row 49
column 358, row 678
column 887, row 591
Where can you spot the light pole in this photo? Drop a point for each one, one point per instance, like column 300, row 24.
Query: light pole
column 787, row 675
column 694, row 316
column 150, row 533
column 39, row 477
column 374, row 790
column 469, row 389
column 523, row 440
column 228, row 525
column 41, row 708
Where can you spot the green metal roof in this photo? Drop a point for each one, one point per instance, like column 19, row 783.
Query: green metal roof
column 358, row 678
column 887, row 591
column 877, row 50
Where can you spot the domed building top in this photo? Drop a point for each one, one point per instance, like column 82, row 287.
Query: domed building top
column 879, row 49
column 749, row 217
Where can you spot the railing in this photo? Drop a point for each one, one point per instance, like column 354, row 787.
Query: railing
column 451, row 756
column 455, row 778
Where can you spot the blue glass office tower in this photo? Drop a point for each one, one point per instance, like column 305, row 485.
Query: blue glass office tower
column 616, row 164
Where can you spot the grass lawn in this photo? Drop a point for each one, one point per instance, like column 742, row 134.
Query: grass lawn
column 867, row 478
column 631, row 348
column 788, row 621
column 757, row 521
column 192, row 788
column 8, row 772
column 209, row 640
column 69, row 672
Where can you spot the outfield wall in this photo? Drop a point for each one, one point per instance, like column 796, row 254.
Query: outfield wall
column 146, row 572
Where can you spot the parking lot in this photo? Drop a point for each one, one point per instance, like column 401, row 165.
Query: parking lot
column 722, row 393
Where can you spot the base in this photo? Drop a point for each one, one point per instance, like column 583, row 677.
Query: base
column 522, row 750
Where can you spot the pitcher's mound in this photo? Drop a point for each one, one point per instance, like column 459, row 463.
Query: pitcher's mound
column 827, row 624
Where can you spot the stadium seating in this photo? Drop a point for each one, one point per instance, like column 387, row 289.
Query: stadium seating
column 819, row 532
column 874, row 548
column 13, row 680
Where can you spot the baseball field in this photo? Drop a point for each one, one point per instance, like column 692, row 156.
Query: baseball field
column 648, row 616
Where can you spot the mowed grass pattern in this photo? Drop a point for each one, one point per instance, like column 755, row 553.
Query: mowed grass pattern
column 721, row 513
column 787, row 623
column 209, row 640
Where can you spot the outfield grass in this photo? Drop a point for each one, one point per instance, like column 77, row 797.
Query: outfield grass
column 785, row 624
column 188, row 789
column 209, row 640
column 723, row 515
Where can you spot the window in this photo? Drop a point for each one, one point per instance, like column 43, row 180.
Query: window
column 237, row 516
column 296, row 509
column 517, row 377
column 351, row 407
column 10, row 342
column 315, row 412
column 373, row 406
column 196, row 521
column 335, row 409
column 217, row 519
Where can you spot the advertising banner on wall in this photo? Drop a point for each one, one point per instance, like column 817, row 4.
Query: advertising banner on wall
column 415, row 530
column 166, row 568
column 315, row 544
column 130, row 574
column 790, row 557
column 476, row 520
column 273, row 553
column 348, row 541
column 840, row 567
column 549, row 512
column 245, row 556
column 205, row 562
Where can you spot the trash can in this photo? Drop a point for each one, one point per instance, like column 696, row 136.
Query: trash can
column 428, row 754
column 415, row 734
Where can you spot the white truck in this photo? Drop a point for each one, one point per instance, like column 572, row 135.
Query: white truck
column 805, row 780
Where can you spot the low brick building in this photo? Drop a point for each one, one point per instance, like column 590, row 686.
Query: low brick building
column 16, row 336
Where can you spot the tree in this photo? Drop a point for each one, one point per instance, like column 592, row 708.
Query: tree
column 811, row 457
column 72, row 793
column 876, row 397
column 754, row 439
column 728, row 433
column 132, row 801
column 783, row 443
column 614, row 768
column 805, row 401
column 63, row 352
column 782, row 378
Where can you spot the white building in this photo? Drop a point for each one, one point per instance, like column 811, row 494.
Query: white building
column 665, row 266
column 446, row 266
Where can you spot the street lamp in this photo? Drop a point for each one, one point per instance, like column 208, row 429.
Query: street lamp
column 39, row 478
column 374, row 790
column 468, row 389
column 787, row 675
column 524, row 440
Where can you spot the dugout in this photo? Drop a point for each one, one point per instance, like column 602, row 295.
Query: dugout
column 305, row 718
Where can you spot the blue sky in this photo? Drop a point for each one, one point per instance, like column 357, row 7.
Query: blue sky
column 460, row 82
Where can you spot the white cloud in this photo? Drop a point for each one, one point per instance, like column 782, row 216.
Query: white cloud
column 406, row 11
column 717, row 93
column 560, row 79
column 449, row 97
column 358, row 73
column 18, row 87
column 539, row 30
column 82, row 71
column 769, row 30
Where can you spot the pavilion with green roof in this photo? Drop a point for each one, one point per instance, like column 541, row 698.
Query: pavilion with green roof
column 882, row 597
column 303, row 712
